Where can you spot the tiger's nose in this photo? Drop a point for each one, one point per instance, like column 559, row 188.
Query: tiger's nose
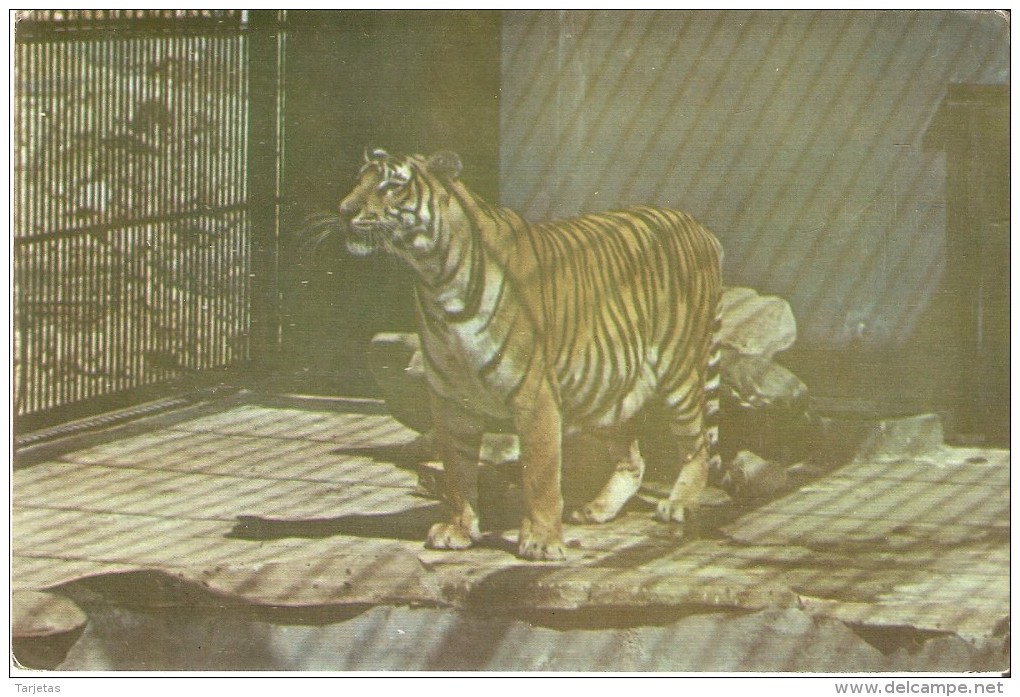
column 347, row 208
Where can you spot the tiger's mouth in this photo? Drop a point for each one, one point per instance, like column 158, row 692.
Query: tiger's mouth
column 362, row 240
column 367, row 237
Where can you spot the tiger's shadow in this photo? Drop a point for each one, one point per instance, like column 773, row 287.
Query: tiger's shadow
column 411, row 525
column 406, row 456
column 408, row 526
column 499, row 501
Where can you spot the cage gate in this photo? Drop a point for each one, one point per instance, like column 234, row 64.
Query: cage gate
column 144, row 216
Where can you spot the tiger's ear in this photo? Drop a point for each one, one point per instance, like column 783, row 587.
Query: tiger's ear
column 373, row 154
column 445, row 164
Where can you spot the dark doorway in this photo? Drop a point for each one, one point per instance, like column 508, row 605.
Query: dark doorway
column 411, row 82
column 972, row 128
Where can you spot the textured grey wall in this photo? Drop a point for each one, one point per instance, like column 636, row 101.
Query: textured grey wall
column 795, row 136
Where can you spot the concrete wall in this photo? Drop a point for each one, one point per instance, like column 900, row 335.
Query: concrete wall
column 795, row 136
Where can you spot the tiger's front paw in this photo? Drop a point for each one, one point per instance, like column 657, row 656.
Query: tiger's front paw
column 590, row 513
column 540, row 546
column 670, row 511
column 451, row 536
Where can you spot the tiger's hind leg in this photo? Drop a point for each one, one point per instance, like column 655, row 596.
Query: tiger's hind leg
column 623, row 483
column 692, row 407
column 686, row 493
column 686, row 407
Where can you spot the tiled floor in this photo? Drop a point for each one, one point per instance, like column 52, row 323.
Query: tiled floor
column 286, row 506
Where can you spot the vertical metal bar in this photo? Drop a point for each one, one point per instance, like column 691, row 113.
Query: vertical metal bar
column 30, row 269
column 27, row 274
column 116, row 284
column 45, row 137
column 61, row 280
column 20, row 338
column 32, row 292
column 153, row 183
column 188, row 177
column 20, row 79
column 126, row 236
column 158, row 69
column 199, row 157
column 22, row 133
column 52, row 177
column 50, row 143
column 158, row 229
column 230, row 229
column 65, row 319
column 238, row 245
column 209, row 156
column 140, row 185
column 135, row 237
column 80, row 289
column 170, row 72
column 173, row 72
column 49, row 376
column 87, row 243
column 115, row 280
column 64, row 281
column 22, row 67
column 129, row 246
column 131, row 249
column 37, row 143
column 208, row 285
column 228, row 130
column 49, row 339
column 57, row 309
column 186, row 54
column 235, row 224
column 33, row 79
column 65, row 312
column 155, row 174
column 211, row 244
column 243, row 294
column 238, row 221
column 44, row 141
column 86, row 119
column 209, row 251
column 194, row 177
column 88, row 336
column 74, row 281
column 154, row 229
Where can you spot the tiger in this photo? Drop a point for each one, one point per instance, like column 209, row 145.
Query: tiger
column 554, row 329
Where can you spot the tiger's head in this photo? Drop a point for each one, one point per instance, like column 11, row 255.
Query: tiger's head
column 397, row 201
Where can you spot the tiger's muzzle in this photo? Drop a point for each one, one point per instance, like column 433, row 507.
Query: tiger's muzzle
column 363, row 237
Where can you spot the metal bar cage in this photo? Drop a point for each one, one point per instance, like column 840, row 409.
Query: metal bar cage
column 132, row 234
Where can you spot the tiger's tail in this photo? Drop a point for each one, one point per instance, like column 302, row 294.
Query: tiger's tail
column 712, row 390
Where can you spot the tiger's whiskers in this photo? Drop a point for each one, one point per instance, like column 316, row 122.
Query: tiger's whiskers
column 317, row 229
